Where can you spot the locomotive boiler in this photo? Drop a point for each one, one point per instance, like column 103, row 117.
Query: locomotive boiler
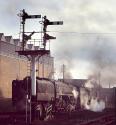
column 51, row 96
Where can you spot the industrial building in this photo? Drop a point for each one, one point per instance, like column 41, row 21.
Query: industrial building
column 14, row 66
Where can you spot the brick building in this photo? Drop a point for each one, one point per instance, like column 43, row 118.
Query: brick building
column 13, row 66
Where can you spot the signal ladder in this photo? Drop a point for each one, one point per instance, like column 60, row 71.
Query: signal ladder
column 28, row 68
column 21, row 26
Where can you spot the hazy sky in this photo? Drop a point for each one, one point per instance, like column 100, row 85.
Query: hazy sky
column 86, row 43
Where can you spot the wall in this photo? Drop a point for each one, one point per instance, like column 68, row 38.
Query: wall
column 10, row 68
column 13, row 66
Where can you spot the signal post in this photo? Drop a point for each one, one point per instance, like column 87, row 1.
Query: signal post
column 34, row 54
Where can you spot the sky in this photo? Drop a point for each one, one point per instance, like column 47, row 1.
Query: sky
column 86, row 42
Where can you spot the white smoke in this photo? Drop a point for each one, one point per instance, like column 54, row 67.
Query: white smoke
column 75, row 93
column 91, row 102
column 93, row 81
column 84, row 96
column 89, row 84
column 95, row 105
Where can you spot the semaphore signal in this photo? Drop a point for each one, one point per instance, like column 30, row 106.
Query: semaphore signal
column 24, row 15
column 47, row 22
column 33, row 56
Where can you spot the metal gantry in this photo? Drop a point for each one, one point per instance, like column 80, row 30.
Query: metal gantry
column 33, row 55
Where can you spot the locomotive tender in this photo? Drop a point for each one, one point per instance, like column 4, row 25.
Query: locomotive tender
column 51, row 96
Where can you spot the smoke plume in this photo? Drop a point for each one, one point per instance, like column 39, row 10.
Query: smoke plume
column 91, row 102
column 95, row 105
column 75, row 93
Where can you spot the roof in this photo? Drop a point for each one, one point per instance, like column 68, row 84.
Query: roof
column 17, row 41
column 36, row 47
column 1, row 34
column 8, row 38
column 75, row 82
column 2, row 38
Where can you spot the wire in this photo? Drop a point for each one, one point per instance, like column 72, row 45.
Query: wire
column 81, row 32
column 75, row 32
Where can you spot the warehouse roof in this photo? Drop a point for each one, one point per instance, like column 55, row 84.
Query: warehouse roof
column 75, row 82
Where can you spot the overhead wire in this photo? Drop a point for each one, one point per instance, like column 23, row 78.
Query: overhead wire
column 87, row 34
column 107, row 33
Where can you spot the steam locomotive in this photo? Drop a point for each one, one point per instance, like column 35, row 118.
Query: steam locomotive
column 51, row 96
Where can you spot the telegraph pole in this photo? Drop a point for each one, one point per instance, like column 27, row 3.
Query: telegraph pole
column 63, row 72
column 99, row 83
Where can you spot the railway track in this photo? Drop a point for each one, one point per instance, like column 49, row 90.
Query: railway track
column 75, row 118
column 82, row 118
column 104, row 120
column 12, row 118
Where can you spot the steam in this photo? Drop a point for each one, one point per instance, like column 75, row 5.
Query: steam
column 75, row 93
column 89, row 84
column 93, row 81
column 104, row 62
column 95, row 105
column 91, row 102
column 84, row 96
column 82, row 45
